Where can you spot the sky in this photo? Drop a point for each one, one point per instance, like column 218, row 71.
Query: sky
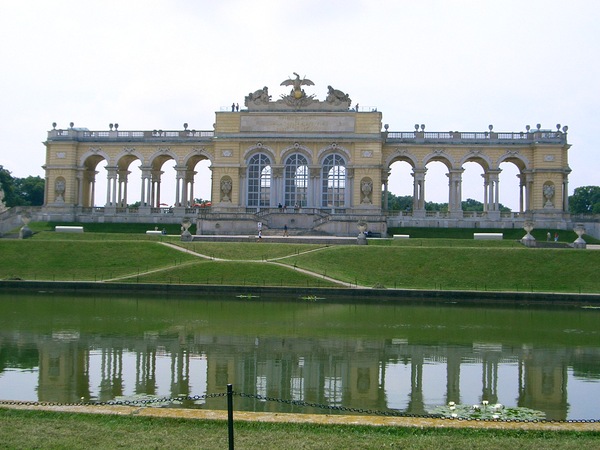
column 451, row 65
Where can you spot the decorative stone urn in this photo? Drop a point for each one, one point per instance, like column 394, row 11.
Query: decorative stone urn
column 362, row 235
column 25, row 232
column 528, row 240
column 579, row 242
column 186, row 236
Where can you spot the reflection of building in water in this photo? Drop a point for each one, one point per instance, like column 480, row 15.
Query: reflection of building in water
column 63, row 369
column 543, row 382
column 335, row 372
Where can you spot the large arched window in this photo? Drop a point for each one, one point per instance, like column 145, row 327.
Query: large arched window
column 296, row 180
column 259, row 181
column 334, row 181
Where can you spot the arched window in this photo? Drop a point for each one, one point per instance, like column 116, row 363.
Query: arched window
column 259, row 181
column 296, row 180
column 334, row 182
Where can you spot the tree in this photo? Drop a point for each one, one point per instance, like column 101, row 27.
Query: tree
column 7, row 183
column 21, row 191
column 30, row 190
column 585, row 200
column 399, row 203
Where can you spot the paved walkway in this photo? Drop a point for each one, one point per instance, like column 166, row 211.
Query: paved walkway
column 267, row 261
column 324, row 419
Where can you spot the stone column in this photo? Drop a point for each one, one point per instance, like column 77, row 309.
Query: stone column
column 242, row 200
column 180, row 191
column 384, row 179
column 277, row 189
column 455, row 194
column 349, row 189
column 80, row 180
column 145, row 189
column 492, row 192
column 314, row 188
column 111, row 186
column 419, row 192
column 122, row 197
column 190, row 186
column 565, row 193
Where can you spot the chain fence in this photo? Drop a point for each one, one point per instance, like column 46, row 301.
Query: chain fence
column 359, row 411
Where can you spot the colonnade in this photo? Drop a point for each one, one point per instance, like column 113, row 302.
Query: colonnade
column 491, row 190
column 117, row 192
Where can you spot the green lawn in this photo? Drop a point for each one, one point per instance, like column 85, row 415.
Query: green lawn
column 468, row 268
column 233, row 273
column 439, row 264
column 83, row 260
column 38, row 429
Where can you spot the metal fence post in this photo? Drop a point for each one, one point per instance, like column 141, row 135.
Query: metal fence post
column 230, row 414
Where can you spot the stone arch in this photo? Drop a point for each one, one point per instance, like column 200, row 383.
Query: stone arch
column 161, row 155
column 96, row 154
column 439, row 155
column 477, row 156
column 516, row 158
column 259, row 148
column 334, row 148
column 88, row 185
column 401, row 155
column 128, row 154
column 196, row 155
column 297, row 148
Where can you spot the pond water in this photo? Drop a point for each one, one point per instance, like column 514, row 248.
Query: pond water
column 408, row 358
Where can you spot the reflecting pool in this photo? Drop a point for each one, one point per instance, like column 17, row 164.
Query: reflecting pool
column 409, row 358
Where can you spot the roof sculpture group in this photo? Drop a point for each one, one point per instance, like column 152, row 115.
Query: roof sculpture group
column 297, row 99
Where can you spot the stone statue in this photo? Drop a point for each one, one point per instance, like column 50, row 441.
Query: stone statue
column 297, row 92
column 336, row 96
column 258, row 97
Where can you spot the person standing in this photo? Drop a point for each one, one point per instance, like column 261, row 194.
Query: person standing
column 285, row 230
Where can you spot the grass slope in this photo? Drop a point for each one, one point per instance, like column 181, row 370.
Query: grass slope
column 37, row 429
column 562, row 270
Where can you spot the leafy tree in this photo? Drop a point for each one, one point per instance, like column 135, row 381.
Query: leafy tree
column 30, row 190
column 472, row 205
column 21, row 191
column 7, row 183
column 399, row 203
column 585, row 200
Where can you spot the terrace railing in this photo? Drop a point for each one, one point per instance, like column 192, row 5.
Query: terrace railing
column 458, row 137
column 79, row 134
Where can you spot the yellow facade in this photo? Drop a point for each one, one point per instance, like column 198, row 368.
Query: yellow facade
column 325, row 158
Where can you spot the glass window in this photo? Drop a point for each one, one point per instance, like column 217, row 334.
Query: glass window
column 259, row 181
column 296, row 181
column 334, row 182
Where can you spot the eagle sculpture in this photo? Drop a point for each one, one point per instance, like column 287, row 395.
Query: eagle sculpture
column 297, row 92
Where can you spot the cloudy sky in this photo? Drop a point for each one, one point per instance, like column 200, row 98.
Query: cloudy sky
column 451, row 65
